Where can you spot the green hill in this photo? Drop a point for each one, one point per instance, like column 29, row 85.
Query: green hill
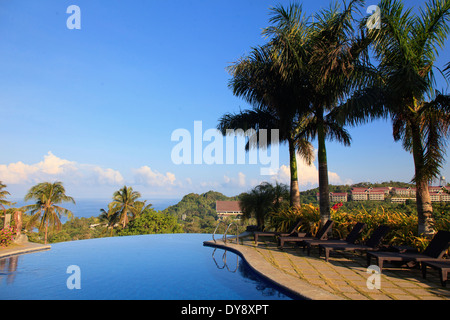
column 197, row 212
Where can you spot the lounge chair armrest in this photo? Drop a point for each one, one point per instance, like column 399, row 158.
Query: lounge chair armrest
column 404, row 249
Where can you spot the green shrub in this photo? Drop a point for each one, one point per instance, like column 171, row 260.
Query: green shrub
column 7, row 236
column 403, row 227
column 152, row 222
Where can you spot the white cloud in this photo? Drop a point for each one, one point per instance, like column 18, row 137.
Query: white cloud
column 53, row 168
column 146, row 176
column 50, row 168
column 239, row 181
column 16, row 173
column 308, row 176
column 53, row 165
column 108, row 176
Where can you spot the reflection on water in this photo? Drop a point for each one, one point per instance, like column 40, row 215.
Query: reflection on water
column 8, row 267
column 153, row 267
column 263, row 287
column 224, row 260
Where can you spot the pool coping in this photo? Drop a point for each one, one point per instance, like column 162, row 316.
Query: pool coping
column 26, row 248
column 294, row 286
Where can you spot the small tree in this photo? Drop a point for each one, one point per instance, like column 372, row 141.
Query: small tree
column 263, row 200
column 47, row 195
column 125, row 206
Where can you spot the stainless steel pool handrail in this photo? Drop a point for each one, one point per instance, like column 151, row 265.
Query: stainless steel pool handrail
column 225, row 235
column 216, row 230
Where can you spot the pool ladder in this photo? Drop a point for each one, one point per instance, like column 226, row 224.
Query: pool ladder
column 224, row 237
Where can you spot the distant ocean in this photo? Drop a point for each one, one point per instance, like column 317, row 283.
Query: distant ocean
column 86, row 208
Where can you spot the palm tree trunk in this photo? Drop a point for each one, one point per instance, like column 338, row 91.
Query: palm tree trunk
column 46, row 232
column 323, row 171
column 423, row 199
column 295, row 192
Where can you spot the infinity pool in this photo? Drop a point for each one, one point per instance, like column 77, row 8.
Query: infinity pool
column 153, row 267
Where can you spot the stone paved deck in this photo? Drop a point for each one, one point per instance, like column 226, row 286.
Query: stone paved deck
column 343, row 277
column 28, row 247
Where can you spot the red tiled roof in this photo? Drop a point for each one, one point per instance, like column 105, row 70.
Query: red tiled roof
column 228, row 206
column 359, row 189
column 340, row 194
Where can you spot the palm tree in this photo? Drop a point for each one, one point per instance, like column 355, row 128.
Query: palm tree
column 447, row 69
column 125, row 206
column 406, row 47
column 47, row 195
column 275, row 103
column 325, row 61
column 261, row 201
column 3, row 195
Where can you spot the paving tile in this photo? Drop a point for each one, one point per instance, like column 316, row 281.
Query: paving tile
column 379, row 297
column 419, row 292
column 404, row 297
column 345, row 275
column 355, row 296
column 393, row 291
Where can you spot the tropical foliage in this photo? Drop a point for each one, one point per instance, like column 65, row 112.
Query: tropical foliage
column 47, row 196
column 316, row 76
column 262, row 200
column 326, row 61
column 7, row 236
column 197, row 212
column 406, row 48
column 125, row 206
column 152, row 222
column 274, row 99
column 3, row 195
column 403, row 226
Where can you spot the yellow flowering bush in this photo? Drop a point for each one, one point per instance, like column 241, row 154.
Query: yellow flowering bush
column 403, row 227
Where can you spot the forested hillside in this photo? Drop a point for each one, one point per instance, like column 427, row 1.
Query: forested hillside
column 197, row 212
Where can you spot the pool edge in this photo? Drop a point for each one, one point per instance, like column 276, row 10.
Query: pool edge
column 294, row 286
column 26, row 249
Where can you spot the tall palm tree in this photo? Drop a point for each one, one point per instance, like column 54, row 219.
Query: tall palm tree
column 125, row 205
column 47, row 196
column 447, row 69
column 274, row 102
column 406, row 48
column 325, row 60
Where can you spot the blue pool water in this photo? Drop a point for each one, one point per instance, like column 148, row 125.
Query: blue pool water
column 152, row 267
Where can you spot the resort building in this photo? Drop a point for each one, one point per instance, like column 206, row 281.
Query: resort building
column 378, row 195
column 399, row 195
column 445, row 197
column 228, row 209
column 364, row 194
column 335, row 197
column 339, row 197
column 434, row 189
column 385, row 190
column 435, row 196
column 403, row 192
column 360, row 194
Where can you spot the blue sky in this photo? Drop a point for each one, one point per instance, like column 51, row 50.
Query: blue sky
column 96, row 107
